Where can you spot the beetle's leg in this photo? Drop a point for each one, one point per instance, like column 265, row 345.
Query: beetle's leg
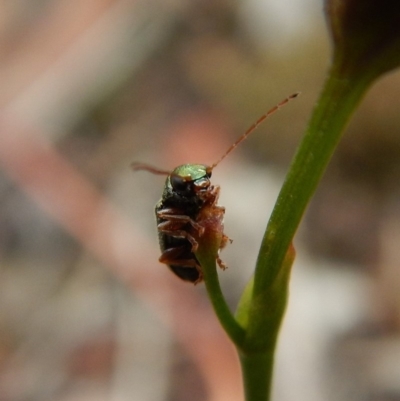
column 221, row 264
column 173, row 256
column 169, row 214
column 211, row 196
column 189, row 263
column 224, row 241
column 215, row 193
column 179, row 257
column 179, row 234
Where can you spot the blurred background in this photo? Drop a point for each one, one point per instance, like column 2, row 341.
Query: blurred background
column 86, row 310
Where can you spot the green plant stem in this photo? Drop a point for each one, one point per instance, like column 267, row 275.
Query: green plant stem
column 338, row 100
column 207, row 260
column 257, row 377
column 262, row 306
column 257, row 365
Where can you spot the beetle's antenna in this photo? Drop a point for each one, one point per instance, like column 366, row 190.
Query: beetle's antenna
column 146, row 167
column 255, row 125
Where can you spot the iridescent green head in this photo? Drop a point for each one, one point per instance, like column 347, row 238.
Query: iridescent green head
column 189, row 179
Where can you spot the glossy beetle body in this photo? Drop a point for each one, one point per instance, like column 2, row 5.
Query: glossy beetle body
column 186, row 193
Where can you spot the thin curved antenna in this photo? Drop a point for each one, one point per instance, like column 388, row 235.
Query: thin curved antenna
column 147, row 167
column 255, row 125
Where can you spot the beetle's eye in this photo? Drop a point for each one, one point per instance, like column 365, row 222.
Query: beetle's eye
column 179, row 183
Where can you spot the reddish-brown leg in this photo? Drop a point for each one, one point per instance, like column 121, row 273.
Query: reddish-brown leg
column 179, row 234
column 174, row 256
column 173, row 216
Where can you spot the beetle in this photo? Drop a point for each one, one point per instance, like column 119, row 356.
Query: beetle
column 187, row 200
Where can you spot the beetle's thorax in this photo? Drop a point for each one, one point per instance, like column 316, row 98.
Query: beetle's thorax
column 187, row 187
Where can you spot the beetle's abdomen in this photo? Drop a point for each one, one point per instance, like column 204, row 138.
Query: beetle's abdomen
column 186, row 273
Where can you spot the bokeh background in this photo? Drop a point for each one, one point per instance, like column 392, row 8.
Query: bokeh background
column 86, row 311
